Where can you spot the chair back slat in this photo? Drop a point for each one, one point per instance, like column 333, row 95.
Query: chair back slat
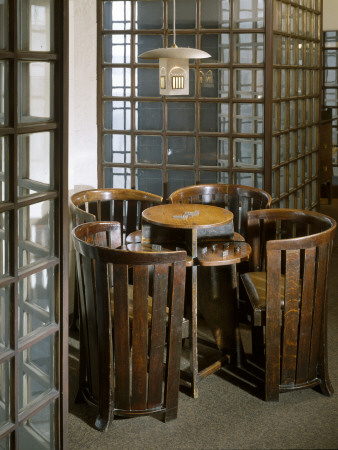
column 140, row 337
column 273, row 324
column 308, row 286
column 90, row 323
column 291, row 317
column 320, row 297
column 157, row 339
column 121, row 337
column 141, row 307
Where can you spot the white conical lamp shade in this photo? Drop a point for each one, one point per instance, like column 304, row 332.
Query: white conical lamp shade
column 174, row 65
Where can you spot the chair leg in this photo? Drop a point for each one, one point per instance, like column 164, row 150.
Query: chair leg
column 257, row 336
column 170, row 414
column 102, row 421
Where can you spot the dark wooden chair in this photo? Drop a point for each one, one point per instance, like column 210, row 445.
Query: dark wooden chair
column 132, row 341
column 238, row 199
column 121, row 205
column 287, row 289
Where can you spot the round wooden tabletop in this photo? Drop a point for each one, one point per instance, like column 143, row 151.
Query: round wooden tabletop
column 187, row 215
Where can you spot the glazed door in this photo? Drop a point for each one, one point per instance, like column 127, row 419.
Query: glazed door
column 33, row 224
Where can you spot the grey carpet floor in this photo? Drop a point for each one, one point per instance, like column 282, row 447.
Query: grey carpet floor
column 228, row 413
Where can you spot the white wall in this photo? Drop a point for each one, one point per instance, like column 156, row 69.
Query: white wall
column 82, row 95
column 82, row 106
column 330, row 15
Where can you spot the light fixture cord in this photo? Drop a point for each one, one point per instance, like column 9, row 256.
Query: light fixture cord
column 174, row 22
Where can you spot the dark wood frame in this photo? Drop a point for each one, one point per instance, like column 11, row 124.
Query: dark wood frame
column 59, row 195
column 303, row 187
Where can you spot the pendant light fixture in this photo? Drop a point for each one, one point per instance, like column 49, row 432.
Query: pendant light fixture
column 174, row 64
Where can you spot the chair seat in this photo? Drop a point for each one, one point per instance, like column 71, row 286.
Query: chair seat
column 255, row 286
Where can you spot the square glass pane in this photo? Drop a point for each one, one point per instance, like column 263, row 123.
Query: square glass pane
column 185, row 14
column 117, row 177
column 331, row 76
column 36, row 301
column 117, row 15
column 209, row 177
column 116, row 49
column 181, row 116
column 36, row 32
column 149, row 15
column 248, row 83
column 300, row 142
column 36, row 371
column 283, row 151
column 282, row 180
column 307, row 196
column 284, row 115
column 285, row 17
column 293, row 83
column 144, row 43
column 314, row 193
column 149, row 149
column 149, row 180
column 214, row 151
column 224, row 83
column 308, row 82
column 293, row 144
column 292, row 176
column 293, row 111
column 36, row 233
column 4, row 25
column 4, row 244
column 4, row 74
column 117, row 81
column 183, row 40
column 211, row 115
column 275, row 150
column 181, row 150
column 117, row 148
column 4, row 160
column 248, row 153
column 214, row 82
column 35, row 173
column 4, row 323
column 248, row 48
column 300, row 176
column 331, row 58
column 38, row 432
column 117, row 115
column 35, row 92
column 5, row 370
column 307, row 166
column 314, row 164
column 215, row 13
column 249, row 13
column 274, row 187
column 147, row 82
column 180, row 178
column 249, row 179
column 331, row 38
column 331, row 97
column 149, row 115
column 208, row 151
column 218, row 46
column 248, row 118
